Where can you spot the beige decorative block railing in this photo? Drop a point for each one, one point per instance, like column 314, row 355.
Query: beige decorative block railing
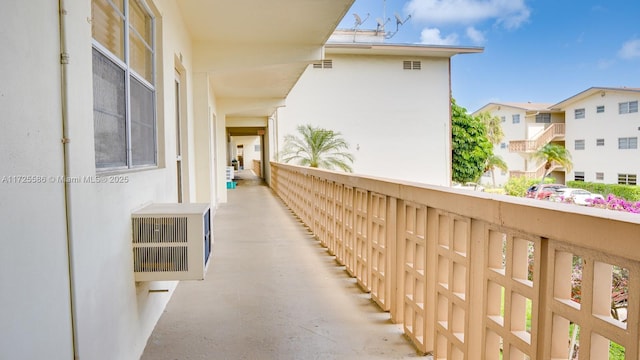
column 553, row 132
column 479, row 276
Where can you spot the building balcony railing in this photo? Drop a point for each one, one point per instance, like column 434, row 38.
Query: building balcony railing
column 535, row 174
column 474, row 275
column 553, row 132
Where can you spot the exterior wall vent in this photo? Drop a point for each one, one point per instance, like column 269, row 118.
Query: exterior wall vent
column 171, row 241
column 324, row 64
column 411, row 65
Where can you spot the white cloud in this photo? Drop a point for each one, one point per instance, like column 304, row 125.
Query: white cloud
column 510, row 13
column 431, row 36
column 476, row 36
column 630, row 49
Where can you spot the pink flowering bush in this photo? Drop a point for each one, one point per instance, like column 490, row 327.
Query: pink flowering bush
column 615, row 203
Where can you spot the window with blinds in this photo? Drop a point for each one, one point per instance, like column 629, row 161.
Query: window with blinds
column 124, row 93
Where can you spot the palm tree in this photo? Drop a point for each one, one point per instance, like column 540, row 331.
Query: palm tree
column 493, row 162
column 317, row 147
column 552, row 153
column 493, row 125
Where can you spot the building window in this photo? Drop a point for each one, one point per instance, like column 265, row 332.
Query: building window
column 628, row 107
column 600, row 109
column 579, row 145
column 628, row 143
column 124, row 93
column 515, row 118
column 256, row 148
column 579, row 113
column 503, row 145
column 578, row 176
column 411, row 65
column 503, row 119
column 627, row 179
column 599, row 176
column 599, row 142
column 543, row 118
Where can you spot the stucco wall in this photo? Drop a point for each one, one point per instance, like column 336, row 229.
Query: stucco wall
column 114, row 315
column 34, row 300
column 396, row 121
column 609, row 125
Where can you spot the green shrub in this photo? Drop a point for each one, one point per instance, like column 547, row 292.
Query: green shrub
column 627, row 192
column 518, row 186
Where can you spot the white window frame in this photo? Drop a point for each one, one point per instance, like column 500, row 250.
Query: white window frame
column 578, row 176
column 599, row 142
column 628, row 107
column 579, row 144
column 599, row 109
column 579, row 113
column 131, row 74
column 600, row 176
column 515, row 118
column 626, row 143
column 627, row 179
column 543, row 118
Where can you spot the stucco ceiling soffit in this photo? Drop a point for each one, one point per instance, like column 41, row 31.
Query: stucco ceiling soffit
column 211, row 58
column 250, row 107
column 266, row 82
column 259, row 21
column 247, row 121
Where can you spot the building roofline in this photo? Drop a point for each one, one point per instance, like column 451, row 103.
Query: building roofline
column 589, row 92
column 528, row 106
column 399, row 49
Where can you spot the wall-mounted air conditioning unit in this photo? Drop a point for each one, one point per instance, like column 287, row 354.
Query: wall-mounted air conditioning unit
column 171, row 241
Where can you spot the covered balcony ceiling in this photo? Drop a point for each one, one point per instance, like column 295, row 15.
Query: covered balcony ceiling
column 255, row 51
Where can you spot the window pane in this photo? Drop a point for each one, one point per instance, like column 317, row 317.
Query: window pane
column 109, row 118
column 633, row 143
column 143, row 144
column 579, row 144
column 141, row 44
column 633, row 106
column 600, row 109
column 140, row 20
column 579, row 113
column 107, row 26
column 623, row 108
column 141, row 58
column 600, row 142
column 622, row 143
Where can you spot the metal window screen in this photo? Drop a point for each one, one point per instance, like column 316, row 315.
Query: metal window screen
column 143, row 149
column 109, row 114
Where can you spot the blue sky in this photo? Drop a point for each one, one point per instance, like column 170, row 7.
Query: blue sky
column 534, row 50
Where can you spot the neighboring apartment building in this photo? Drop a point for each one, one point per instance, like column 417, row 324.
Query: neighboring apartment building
column 110, row 105
column 391, row 102
column 526, row 127
column 599, row 126
column 602, row 130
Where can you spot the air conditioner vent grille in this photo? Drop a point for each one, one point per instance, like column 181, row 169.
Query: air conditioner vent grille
column 159, row 230
column 159, row 259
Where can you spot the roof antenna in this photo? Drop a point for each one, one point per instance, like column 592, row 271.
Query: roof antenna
column 357, row 24
column 381, row 24
column 399, row 22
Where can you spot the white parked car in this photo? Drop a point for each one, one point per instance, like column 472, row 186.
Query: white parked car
column 576, row 196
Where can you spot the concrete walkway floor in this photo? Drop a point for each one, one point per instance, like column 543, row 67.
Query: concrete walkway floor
column 272, row 292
